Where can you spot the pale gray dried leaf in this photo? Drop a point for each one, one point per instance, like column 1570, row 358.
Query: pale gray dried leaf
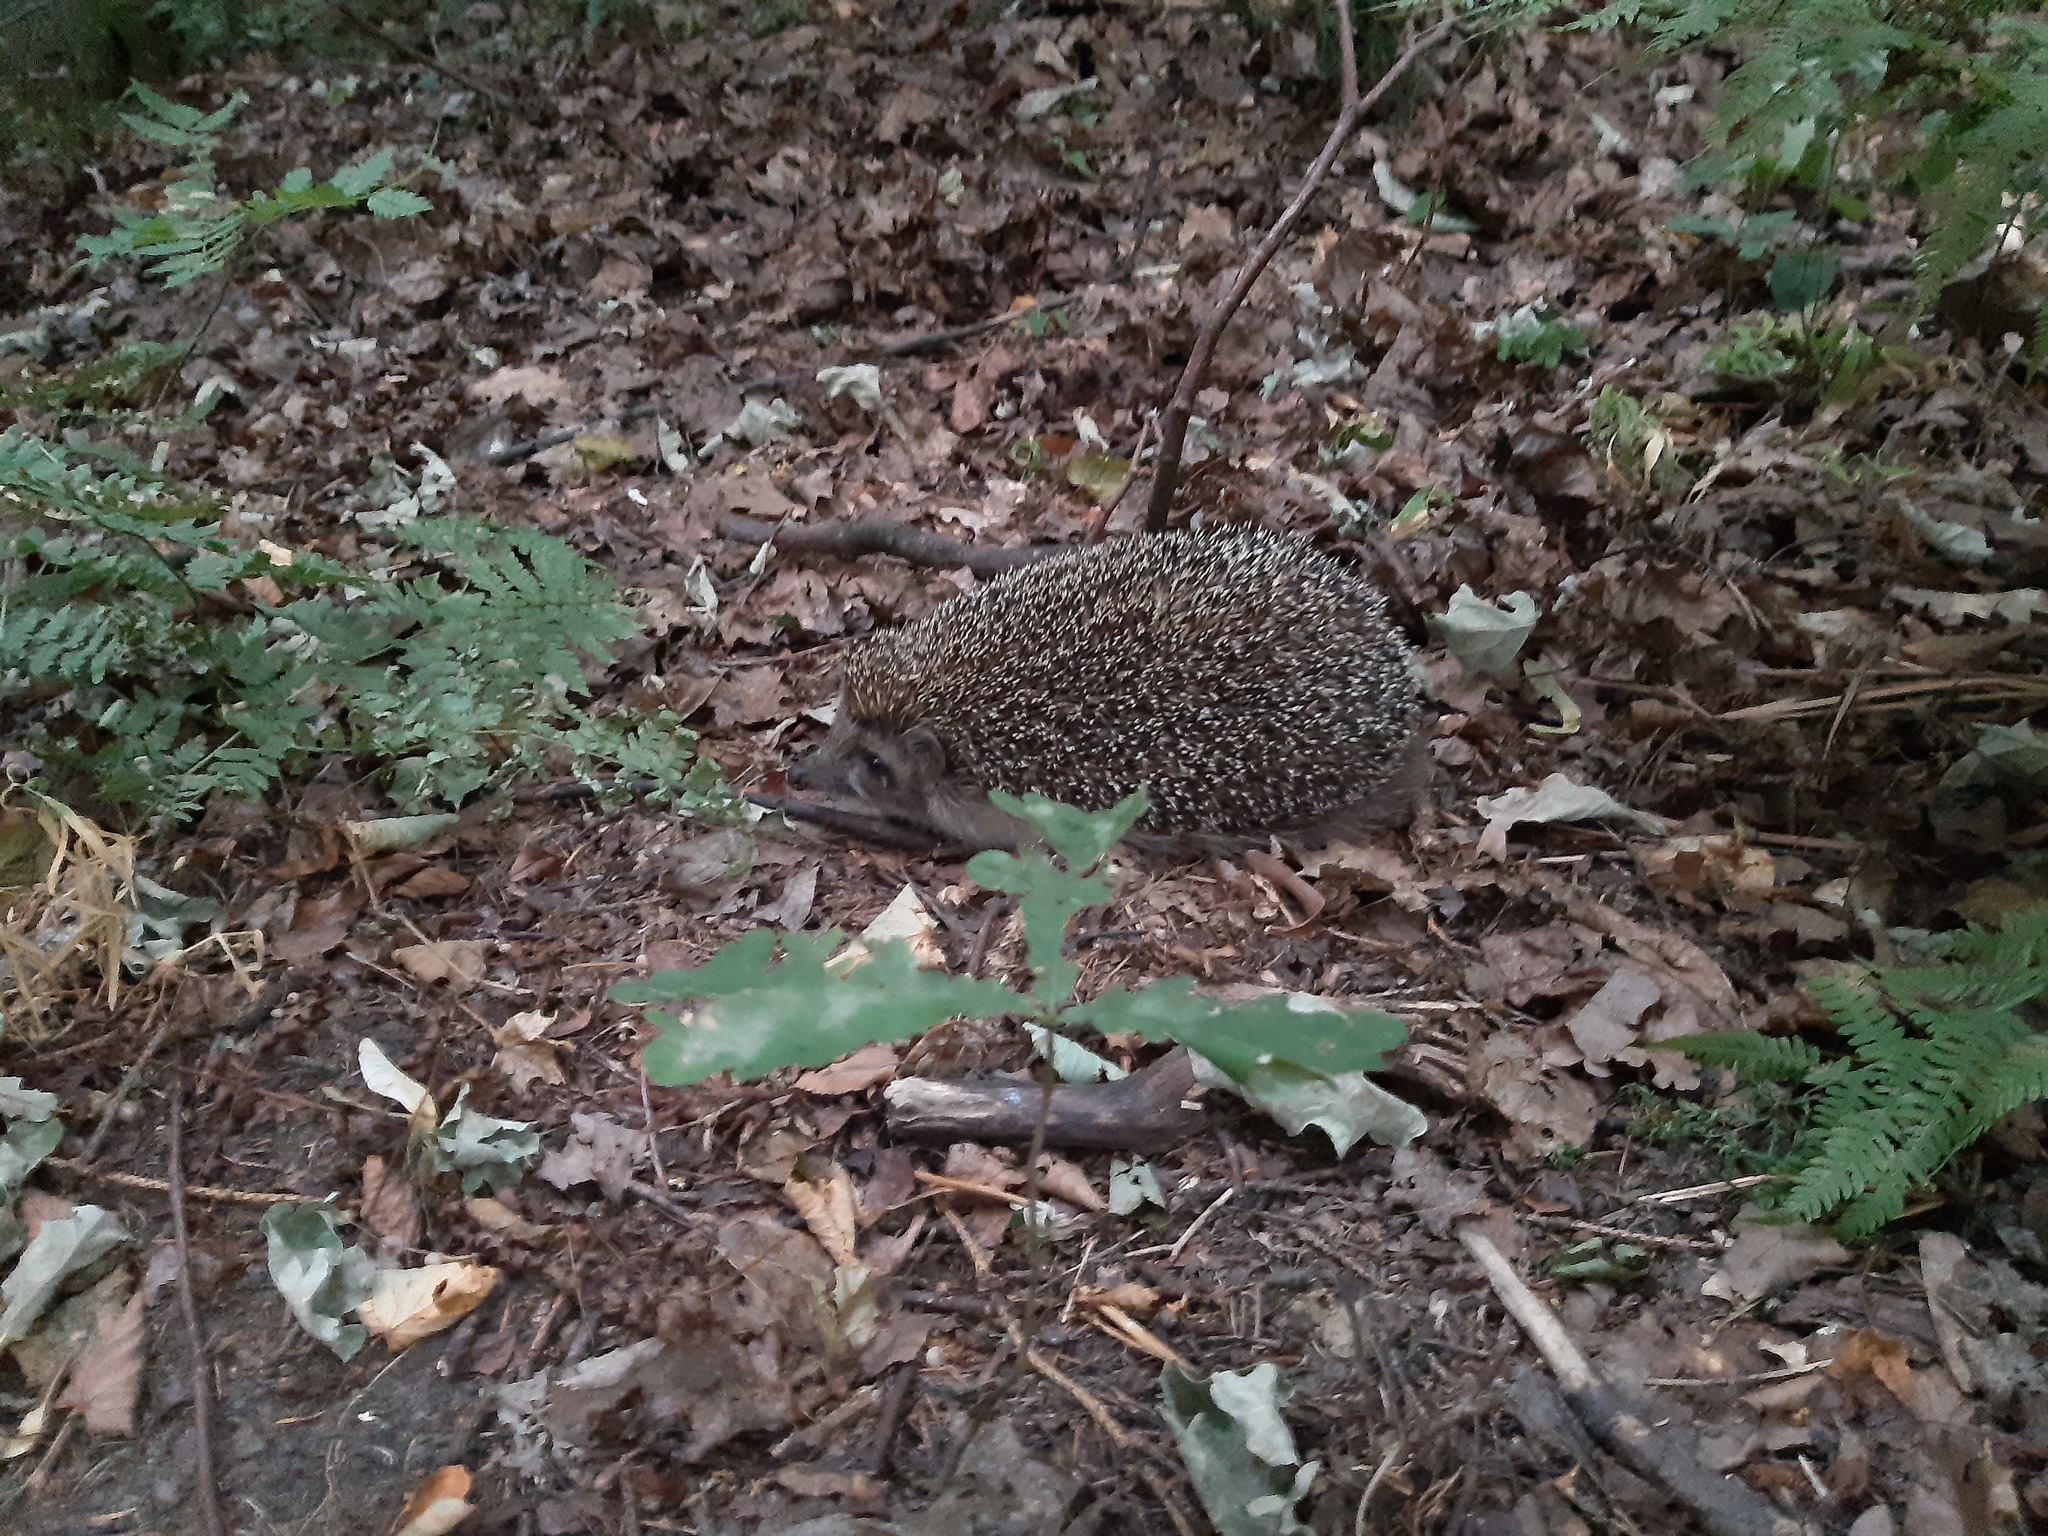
column 1346, row 1106
column 59, row 1249
column 1557, row 798
column 320, row 1279
column 1484, row 636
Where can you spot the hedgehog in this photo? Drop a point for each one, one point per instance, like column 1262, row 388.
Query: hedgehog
column 1249, row 683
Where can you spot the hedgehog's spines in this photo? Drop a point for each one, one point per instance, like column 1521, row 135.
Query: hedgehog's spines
column 1247, row 680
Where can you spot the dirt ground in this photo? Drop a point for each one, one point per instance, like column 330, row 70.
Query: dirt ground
column 666, row 219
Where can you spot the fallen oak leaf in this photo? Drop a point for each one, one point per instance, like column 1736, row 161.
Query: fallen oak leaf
column 828, row 1208
column 500, row 1220
column 525, row 1055
column 866, row 1067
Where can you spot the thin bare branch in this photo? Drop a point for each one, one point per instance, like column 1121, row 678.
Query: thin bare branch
column 1173, row 430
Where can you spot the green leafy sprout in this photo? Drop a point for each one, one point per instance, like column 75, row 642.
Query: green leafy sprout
column 762, row 1013
column 1532, row 334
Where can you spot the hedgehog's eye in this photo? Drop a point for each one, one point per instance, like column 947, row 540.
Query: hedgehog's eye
column 877, row 768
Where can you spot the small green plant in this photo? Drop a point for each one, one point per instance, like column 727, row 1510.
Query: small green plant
column 1532, row 334
column 1792, row 356
column 144, row 649
column 200, row 227
column 1802, row 271
column 107, row 387
column 1633, row 440
column 762, row 1013
column 1357, row 440
column 777, row 16
column 226, row 29
column 1937, row 1055
column 1750, row 1132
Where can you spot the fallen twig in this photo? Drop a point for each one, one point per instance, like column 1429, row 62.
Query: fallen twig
column 1701, row 1191
column 1145, row 1112
column 874, row 1458
column 916, row 545
column 501, row 454
column 1988, row 688
column 440, row 66
column 1724, row 1505
column 1091, row 1405
column 263, row 1197
column 929, row 342
column 1173, row 430
column 1623, row 1235
column 126, row 1086
column 202, row 1397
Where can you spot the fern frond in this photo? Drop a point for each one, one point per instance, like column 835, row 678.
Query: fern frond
column 1756, row 1058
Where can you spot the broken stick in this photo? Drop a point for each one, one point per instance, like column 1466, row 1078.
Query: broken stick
column 1724, row 1505
column 1145, row 1112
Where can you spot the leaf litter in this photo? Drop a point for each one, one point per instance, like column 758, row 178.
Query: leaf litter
column 807, row 1323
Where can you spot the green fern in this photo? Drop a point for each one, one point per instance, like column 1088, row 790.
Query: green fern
column 131, row 653
column 1758, row 1058
column 1964, row 81
column 200, row 227
column 1936, row 1057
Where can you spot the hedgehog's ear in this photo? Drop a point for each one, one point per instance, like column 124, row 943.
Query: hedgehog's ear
column 923, row 754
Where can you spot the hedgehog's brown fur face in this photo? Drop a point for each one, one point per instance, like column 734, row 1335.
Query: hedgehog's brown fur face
column 875, row 763
column 902, row 773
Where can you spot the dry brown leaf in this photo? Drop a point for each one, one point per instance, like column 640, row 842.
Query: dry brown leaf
column 318, row 926
column 1546, row 1110
column 1767, row 1256
column 431, row 884
column 885, row 1255
column 1063, row 1180
column 536, row 386
column 601, row 1152
column 438, row 1505
column 524, row 1055
column 108, row 1376
column 866, row 1067
column 792, row 909
column 459, row 962
column 750, row 696
column 1607, row 1024
column 828, row 1208
column 496, row 1217
column 389, row 1208
column 407, row 1305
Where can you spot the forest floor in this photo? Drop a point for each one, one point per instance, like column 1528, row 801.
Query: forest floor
column 1769, row 656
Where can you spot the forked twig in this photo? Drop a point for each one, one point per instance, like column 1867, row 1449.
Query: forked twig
column 1173, row 431
column 1725, row 1506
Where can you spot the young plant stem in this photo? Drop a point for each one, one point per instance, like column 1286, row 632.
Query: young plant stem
column 1173, row 429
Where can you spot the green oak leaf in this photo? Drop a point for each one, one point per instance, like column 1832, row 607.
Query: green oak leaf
column 764, row 1015
column 1242, row 1037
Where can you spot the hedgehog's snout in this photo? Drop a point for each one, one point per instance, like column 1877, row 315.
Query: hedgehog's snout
column 821, row 768
column 897, row 767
